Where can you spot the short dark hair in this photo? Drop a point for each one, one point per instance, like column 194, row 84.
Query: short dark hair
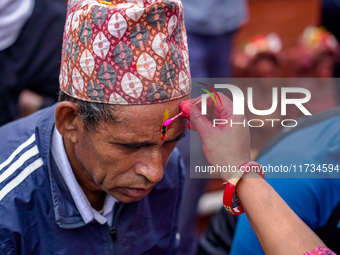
column 93, row 114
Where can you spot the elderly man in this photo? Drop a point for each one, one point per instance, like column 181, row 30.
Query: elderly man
column 95, row 174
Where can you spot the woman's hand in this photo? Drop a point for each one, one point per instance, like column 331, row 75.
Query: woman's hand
column 278, row 228
column 225, row 144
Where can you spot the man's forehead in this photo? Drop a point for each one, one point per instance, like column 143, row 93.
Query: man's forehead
column 143, row 114
column 143, row 123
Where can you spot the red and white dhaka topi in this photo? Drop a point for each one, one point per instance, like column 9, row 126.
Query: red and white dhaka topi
column 125, row 51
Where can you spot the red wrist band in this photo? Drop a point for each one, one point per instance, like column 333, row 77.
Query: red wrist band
column 229, row 196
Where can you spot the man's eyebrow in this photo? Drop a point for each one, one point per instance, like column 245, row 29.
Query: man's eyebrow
column 135, row 145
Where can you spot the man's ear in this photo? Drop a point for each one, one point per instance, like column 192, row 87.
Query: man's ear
column 67, row 121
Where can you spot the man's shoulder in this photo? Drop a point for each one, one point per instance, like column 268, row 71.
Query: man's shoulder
column 22, row 164
column 22, row 171
column 18, row 134
column 16, row 131
column 24, row 193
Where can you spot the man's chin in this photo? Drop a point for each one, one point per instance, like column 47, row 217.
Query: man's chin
column 129, row 195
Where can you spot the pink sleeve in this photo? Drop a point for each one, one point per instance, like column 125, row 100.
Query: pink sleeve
column 321, row 251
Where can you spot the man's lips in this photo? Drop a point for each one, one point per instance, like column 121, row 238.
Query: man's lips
column 137, row 192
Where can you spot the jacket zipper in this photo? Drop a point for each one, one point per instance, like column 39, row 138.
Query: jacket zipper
column 113, row 231
column 111, row 242
column 113, row 234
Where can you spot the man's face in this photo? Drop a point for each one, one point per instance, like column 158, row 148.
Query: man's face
column 126, row 159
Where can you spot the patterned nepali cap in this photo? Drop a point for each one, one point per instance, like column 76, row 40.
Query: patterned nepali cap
column 125, row 51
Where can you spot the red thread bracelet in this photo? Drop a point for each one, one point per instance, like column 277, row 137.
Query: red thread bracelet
column 229, row 191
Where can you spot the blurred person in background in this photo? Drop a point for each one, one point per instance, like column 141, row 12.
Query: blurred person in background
column 260, row 58
column 315, row 56
column 331, row 21
column 211, row 26
column 30, row 52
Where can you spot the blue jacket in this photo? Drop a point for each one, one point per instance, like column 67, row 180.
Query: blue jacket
column 38, row 215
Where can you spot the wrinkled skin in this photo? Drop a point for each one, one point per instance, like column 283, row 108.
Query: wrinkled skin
column 124, row 159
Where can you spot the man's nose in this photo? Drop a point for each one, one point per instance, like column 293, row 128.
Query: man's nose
column 150, row 165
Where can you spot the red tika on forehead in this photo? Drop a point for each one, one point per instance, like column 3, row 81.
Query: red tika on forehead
column 125, row 52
